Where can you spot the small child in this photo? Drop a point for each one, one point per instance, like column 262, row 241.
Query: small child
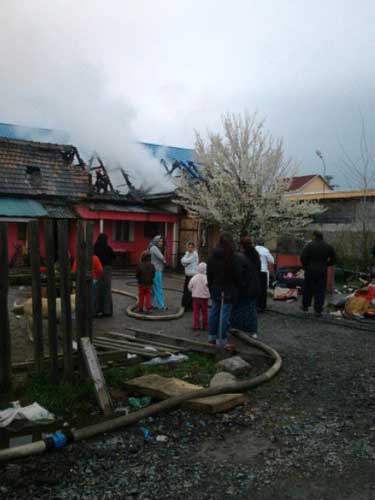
column 201, row 294
column 145, row 276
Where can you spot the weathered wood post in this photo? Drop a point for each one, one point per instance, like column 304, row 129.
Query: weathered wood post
column 51, row 297
column 89, row 287
column 5, row 340
column 81, row 304
column 66, row 314
column 36, row 288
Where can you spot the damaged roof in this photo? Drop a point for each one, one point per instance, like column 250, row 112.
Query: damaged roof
column 35, row 168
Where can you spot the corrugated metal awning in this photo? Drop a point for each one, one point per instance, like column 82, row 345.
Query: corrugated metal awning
column 21, row 207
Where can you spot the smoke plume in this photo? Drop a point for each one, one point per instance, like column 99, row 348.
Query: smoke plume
column 54, row 74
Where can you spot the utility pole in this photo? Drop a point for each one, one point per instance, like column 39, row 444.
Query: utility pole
column 319, row 154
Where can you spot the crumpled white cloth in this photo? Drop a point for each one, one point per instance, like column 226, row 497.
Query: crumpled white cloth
column 33, row 413
column 173, row 358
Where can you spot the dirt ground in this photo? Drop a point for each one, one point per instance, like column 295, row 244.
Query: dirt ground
column 308, row 434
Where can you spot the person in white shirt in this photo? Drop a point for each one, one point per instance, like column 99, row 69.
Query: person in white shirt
column 190, row 262
column 266, row 260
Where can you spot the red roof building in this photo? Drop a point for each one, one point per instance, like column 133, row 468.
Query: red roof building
column 309, row 184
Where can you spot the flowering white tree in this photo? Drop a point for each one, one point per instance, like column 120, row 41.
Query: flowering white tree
column 245, row 180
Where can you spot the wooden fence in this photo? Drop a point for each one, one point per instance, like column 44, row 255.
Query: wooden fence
column 58, row 276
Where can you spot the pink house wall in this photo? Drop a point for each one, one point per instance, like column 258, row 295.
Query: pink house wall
column 135, row 247
column 12, row 238
column 138, row 245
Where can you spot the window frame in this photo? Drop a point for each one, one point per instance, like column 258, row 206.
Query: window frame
column 125, row 236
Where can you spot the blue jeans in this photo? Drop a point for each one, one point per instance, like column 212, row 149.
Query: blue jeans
column 214, row 322
column 157, row 291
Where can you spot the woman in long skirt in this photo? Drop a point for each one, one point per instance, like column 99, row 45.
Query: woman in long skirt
column 158, row 260
column 106, row 255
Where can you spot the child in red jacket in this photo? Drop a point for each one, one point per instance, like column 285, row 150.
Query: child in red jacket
column 145, row 276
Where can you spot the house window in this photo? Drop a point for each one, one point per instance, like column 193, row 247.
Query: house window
column 123, row 231
column 152, row 229
column 22, row 231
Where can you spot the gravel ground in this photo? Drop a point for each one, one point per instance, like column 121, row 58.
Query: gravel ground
column 308, row 434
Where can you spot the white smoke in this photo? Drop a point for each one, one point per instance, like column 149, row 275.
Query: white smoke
column 54, row 74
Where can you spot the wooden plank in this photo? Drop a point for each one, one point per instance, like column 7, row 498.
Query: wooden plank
column 164, row 388
column 89, row 288
column 131, row 349
column 108, row 346
column 139, row 341
column 140, row 330
column 95, row 372
column 66, row 315
column 5, row 338
column 190, row 345
column 105, row 357
column 51, row 297
column 134, row 350
column 36, row 293
column 141, row 347
column 81, row 283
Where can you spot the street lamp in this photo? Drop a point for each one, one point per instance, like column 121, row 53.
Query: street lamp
column 319, row 154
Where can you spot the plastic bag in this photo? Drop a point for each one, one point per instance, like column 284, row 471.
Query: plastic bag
column 32, row 413
column 173, row 358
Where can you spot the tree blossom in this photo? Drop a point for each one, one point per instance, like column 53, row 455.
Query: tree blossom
column 246, row 179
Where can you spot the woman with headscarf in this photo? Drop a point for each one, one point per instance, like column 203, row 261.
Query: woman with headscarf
column 106, row 255
column 158, row 260
column 244, row 312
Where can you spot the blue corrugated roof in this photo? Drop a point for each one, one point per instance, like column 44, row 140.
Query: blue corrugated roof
column 175, row 159
column 17, row 207
column 12, row 131
column 169, row 153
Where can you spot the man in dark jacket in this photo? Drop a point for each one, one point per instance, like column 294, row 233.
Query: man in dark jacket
column 224, row 277
column 316, row 257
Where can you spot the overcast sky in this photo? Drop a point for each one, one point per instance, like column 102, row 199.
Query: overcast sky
column 156, row 70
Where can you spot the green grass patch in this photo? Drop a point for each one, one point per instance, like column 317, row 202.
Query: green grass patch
column 62, row 399
column 198, row 369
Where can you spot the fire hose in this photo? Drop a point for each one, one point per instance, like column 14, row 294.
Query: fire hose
column 63, row 438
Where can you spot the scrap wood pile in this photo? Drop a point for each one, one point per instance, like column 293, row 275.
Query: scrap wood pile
column 116, row 341
column 147, row 344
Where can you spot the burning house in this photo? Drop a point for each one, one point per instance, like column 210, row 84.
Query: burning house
column 40, row 180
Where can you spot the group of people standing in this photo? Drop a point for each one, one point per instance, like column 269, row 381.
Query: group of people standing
column 236, row 282
column 149, row 276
